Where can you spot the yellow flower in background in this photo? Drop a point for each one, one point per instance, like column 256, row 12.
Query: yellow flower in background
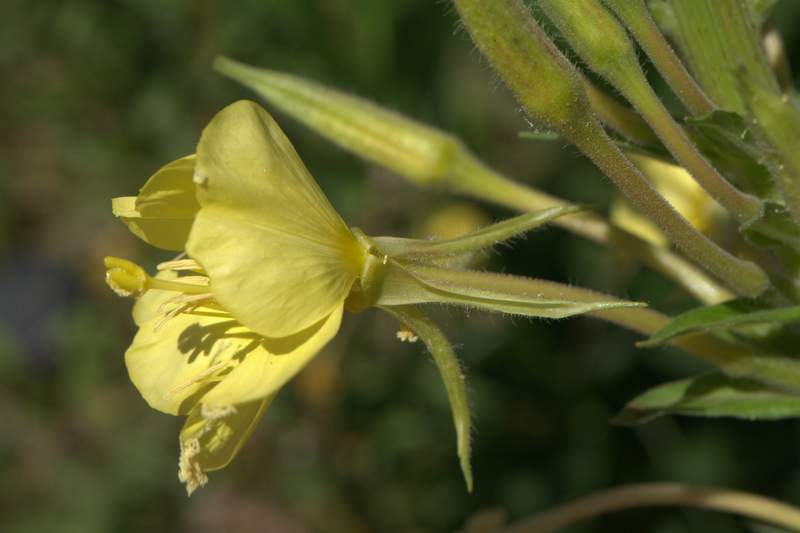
column 680, row 190
column 269, row 265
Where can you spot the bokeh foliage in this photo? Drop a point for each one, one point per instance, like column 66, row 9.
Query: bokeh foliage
column 96, row 95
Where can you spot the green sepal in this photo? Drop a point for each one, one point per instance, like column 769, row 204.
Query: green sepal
column 421, row 250
column 452, row 376
column 407, row 284
column 710, row 395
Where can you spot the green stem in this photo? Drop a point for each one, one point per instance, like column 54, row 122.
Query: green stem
column 636, row 17
column 452, row 375
column 470, row 176
column 743, row 277
column 744, row 207
column 658, row 495
column 601, row 41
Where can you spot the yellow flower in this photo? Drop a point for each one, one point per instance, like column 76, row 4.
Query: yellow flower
column 267, row 270
column 270, row 264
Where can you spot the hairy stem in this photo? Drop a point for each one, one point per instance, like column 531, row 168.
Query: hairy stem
column 742, row 276
column 637, row 19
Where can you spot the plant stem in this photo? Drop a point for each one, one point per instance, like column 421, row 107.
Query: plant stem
column 470, row 176
column 743, row 277
column 602, row 42
column 526, row 59
column 659, row 495
column 637, row 19
column 744, row 207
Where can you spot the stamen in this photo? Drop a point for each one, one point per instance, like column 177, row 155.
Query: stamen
column 184, row 303
column 181, row 264
column 208, row 373
column 212, row 414
column 188, row 284
column 202, row 376
column 189, row 470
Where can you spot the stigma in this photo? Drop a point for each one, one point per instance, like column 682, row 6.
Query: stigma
column 183, row 277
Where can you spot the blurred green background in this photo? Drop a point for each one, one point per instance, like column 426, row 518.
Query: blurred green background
column 96, row 95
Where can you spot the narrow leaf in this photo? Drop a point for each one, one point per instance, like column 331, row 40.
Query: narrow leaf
column 711, row 395
column 722, row 316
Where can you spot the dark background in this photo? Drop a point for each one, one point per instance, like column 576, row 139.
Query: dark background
column 96, row 95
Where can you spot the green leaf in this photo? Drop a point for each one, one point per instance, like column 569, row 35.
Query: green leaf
column 727, row 141
column 710, row 395
column 774, row 229
column 724, row 316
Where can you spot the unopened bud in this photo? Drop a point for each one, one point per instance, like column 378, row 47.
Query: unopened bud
column 598, row 37
column 543, row 80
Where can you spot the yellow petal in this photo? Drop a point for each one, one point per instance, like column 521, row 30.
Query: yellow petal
column 163, row 212
column 210, row 440
column 173, row 365
column 279, row 256
column 264, row 372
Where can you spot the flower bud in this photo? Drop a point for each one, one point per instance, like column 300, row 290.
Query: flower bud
column 357, row 125
column 543, row 80
column 598, row 37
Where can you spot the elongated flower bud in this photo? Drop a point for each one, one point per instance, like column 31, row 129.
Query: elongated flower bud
column 377, row 134
column 598, row 38
column 545, row 82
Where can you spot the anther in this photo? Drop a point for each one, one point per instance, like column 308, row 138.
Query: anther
column 406, row 335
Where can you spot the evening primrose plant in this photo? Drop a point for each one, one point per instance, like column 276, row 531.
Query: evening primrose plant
column 267, row 268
